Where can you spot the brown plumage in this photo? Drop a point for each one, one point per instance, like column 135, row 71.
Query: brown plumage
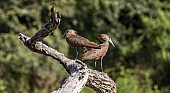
column 79, row 42
column 96, row 54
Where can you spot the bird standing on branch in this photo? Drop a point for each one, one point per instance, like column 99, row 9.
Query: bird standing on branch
column 96, row 54
column 79, row 42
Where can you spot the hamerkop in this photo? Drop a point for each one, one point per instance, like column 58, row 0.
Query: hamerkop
column 96, row 54
column 79, row 42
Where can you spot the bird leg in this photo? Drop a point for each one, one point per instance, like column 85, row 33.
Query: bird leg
column 77, row 53
column 101, row 63
column 95, row 63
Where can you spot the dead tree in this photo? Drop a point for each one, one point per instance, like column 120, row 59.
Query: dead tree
column 80, row 74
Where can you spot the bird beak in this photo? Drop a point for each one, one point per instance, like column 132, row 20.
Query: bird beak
column 110, row 40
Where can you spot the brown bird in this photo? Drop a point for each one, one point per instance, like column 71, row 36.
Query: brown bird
column 96, row 54
column 79, row 42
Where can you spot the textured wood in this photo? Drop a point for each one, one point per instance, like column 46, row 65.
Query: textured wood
column 80, row 75
column 100, row 82
column 74, row 83
column 47, row 29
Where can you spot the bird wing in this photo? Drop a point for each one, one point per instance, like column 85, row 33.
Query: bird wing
column 92, row 54
column 83, row 42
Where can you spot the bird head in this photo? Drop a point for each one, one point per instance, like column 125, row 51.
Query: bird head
column 69, row 32
column 105, row 38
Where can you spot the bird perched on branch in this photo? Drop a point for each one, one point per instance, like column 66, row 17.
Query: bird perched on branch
column 79, row 42
column 96, row 54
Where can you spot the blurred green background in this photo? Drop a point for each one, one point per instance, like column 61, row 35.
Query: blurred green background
column 140, row 29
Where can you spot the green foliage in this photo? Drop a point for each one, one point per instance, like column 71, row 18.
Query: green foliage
column 87, row 90
column 140, row 29
column 131, row 81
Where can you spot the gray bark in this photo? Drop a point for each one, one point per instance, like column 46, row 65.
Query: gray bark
column 80, row 74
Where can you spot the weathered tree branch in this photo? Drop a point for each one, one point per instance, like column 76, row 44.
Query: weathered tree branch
column 47, row 29
column 80, row 75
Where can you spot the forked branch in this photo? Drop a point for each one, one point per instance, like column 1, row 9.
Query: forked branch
column 80, row 75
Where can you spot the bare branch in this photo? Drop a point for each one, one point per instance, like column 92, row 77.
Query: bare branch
column 47, row 29
column 80, row 75
column 74, row 83
column 100, row 82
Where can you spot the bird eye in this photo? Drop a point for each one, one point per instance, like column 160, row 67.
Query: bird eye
column 109, row 37
column 75, row 32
